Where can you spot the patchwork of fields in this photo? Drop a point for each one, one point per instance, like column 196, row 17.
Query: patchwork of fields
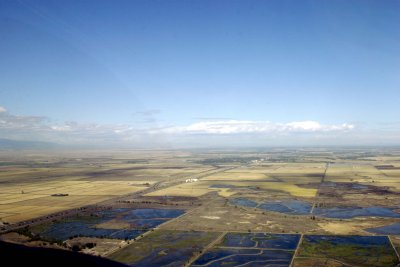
column 209, row 208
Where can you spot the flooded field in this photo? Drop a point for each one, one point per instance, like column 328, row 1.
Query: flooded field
column 261, row 240
column 251, row 249
column 293, row 207
column 244, row 202
column 298, row 207
column 391, row 229
column 351, row 212
column 115, row 223
column 164, row 248
column 245, row 257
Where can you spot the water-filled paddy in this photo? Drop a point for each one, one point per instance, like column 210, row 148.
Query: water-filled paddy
column 137, row 220
column 67, row 229
column 298, row 207
column 244, row 202
column 164, row 248
column 294, row 207
column 261, row 240
column 391, row 229
column 136, row 214
column 351, row 212
column 244, row 257
column 251, row 249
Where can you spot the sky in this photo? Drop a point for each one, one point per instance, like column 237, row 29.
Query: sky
column 200, row 73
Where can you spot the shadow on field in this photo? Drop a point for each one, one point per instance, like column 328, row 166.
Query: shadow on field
column 19, row 255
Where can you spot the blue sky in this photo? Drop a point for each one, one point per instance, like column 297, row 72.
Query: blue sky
column 205, row 72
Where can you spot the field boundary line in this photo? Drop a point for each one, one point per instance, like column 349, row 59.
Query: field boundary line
column 296, row 250
column 205, row 249
column 391, row 243
column 319, row 187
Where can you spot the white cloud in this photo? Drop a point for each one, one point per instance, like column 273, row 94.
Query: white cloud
column 214, row 132
column 3, row 109
column 61, row 128
column 12, row 122
column 248, row 127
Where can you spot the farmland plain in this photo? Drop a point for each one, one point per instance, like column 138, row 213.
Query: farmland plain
column 260, row 207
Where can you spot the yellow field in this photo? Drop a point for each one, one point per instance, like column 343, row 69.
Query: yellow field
column 293, row 173
column 87, row 178
column 258, row 169
column 345, row 227
column 203, row 187
column 300, row 168
column 282, row 168
column 36, row 199
column 391, row 173
column 282, row 177
column 237, row 176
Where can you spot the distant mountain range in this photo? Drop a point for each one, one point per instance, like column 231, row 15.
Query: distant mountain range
column 17, row 144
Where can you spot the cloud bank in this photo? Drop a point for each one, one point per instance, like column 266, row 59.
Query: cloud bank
column 202, row 133
column 248, row 127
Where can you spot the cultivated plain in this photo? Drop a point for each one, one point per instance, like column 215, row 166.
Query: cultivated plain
column 253, row 207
